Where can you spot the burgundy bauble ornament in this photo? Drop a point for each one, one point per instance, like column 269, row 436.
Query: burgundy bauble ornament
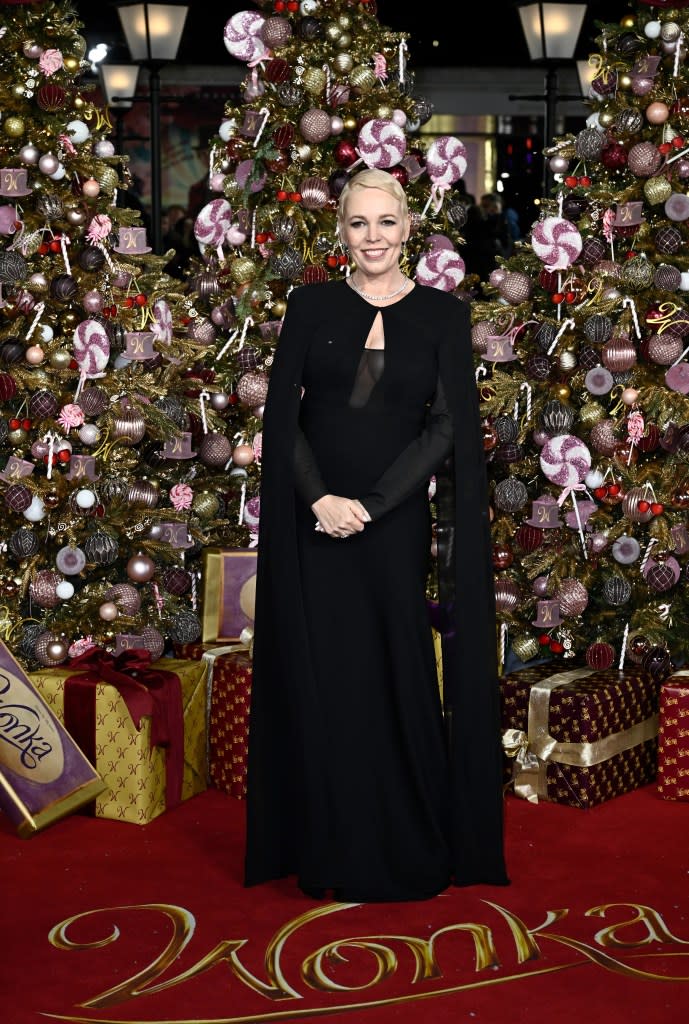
column 43, row 404
column 42, row 588
column 8, row 386
column 507, row 595
column 660, row 577
column 657, row 662
column 51, row 97
column 503, row 556
column 176, row 581
column 63, row 288
column 600, row 656
column 401, row 174
column 18, row 497
column 345, row 153
column 637, row 647
column 614, row 156
column 528, row 538
column 668, row 240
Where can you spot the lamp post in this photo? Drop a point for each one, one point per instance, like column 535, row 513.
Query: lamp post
column 153, row 33
column 119, row 88
column 551, row 31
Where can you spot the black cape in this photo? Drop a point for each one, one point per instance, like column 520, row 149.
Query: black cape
column 283, row 687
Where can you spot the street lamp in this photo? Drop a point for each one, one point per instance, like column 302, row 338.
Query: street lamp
column 119, row 88
column 551, row 31
column 153, row 33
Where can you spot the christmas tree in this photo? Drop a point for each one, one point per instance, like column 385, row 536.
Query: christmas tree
column 328, row 91
column 581, row 350
column 107, row 507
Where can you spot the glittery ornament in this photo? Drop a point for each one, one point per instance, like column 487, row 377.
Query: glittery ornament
column 315, row 193
column 100, row 548
column 538, row 367
column 526, row 647
column 592, row 251
column 205, row 505
column 314, row 125
column 94, row 400
column 13, row 267
column 660, row 577
column 153, row 642
column 185, row 626
column 289, row 94
column 644, row 159
column 573, row 596
column 637, row 274
column 215, row 449
column 43, row 404
column 46, row 649
column 603, row 437
column 589, row 144
column 49, row 205
column 42, row 588
column 656, row 190
column 509, row 452
column 125, row 596
column 616, row 591
column 628, row 121
column 664, row 348
column 516, row 287
column 600, row 656
column 667, row 278
column 598, row 328
column 202, row 330
column 479, row 335
column 275, row 32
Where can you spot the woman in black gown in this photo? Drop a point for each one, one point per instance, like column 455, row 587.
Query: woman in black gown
column 359, row 782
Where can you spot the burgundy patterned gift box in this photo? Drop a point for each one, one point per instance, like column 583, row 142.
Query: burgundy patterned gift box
column 579, row 737
column 228, row 713
column 673, row 738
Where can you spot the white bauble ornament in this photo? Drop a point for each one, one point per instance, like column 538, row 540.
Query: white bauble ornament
column 65, row 590
column 684, row 282
column 78, row 131
column 593, row 479
column 36, row 510
column 85, row 498
column 652, row 29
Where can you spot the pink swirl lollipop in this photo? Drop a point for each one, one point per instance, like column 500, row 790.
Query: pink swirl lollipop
column 212, row 222
column 441, row 268
column 446, row 160
column 242, row 36
column 91, row 347
column 381, row 143
column 162, row 325
column 556, row 242
column 565, row 460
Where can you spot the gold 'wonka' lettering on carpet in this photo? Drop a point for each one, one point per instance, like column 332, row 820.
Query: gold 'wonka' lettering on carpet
column 647, row 922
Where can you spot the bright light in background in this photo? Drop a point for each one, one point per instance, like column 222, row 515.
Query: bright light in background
column 97, row 54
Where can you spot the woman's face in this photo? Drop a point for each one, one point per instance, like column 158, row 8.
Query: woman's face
column 374, row 229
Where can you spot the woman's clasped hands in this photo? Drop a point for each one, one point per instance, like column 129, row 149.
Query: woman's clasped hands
column 339, row 517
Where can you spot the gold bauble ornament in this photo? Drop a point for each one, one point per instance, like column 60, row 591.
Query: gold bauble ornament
column 344, row 21
column 363, row 79
column 590, row 413
column 314, row 81
column 79, row 102
column 17, row 91
column 624, row 82
column 332, row 31
column 205, row 505
column 628, row 21
column 14, row 127
column 657, row 190
column 561, row 391
column 78, row 46
column 108, row 179
column 343, row 63
column 279, row 308
column 242, row 270
column 71, row 64
column 384, row 112
column 349, row 124
column 606, row 118
column 231, row 188
column 344, row 42
column 525, row 647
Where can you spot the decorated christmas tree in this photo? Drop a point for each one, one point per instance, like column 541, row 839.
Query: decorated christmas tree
column 107, row 497
column 328, row 91
column 581, row 350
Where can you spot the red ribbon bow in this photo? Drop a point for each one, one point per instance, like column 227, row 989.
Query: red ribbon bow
column 145, row 690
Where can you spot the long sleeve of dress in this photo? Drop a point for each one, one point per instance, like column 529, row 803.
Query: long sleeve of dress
column 307, row 478
column 417, row 463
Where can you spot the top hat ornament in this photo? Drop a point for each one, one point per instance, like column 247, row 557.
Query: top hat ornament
column 545, row 513
column 132, row 242
column 547, row 614
column 13, row 182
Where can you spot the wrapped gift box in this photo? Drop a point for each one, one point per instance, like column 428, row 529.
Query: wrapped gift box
column 228, row 712
column 579, row 737
column 228, row 593
column 134, row 772
column 673, row 737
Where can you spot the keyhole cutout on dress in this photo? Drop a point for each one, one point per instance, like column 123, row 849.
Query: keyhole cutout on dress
column 371, row 365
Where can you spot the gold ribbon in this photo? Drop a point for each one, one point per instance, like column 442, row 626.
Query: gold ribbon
column 534, row 749
column 247, row 646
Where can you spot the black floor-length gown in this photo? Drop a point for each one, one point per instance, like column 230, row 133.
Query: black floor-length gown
column 351, row 771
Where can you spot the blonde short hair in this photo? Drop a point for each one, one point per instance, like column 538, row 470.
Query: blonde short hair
column 372, row 177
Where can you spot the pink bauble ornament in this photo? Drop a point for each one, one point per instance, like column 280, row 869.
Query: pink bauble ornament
column 140, row 568
column 92, row 301
column 556, row 242
column 108, row 611
column 565, row 460
column 657, row 113
column 381, row 143
column 243, row 455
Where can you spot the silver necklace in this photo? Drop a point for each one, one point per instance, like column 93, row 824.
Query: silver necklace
column 378, row 298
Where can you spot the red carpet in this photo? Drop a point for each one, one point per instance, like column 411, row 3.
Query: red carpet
column 107, row 921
